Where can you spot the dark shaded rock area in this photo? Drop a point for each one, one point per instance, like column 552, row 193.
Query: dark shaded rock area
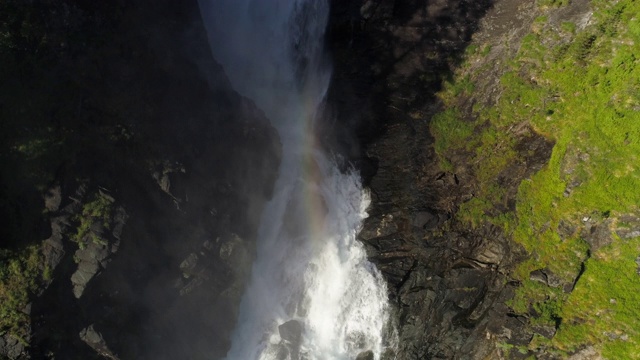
column 291, row 336
column 449, row 283
column 291, row 331
column 133, row 111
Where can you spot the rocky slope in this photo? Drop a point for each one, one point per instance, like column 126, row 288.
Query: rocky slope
column 474, row 140
column 447, row 282
column 124, row 139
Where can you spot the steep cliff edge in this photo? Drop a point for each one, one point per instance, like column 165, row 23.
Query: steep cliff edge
column 144, row 172
column 445, row 279
column 484, row 219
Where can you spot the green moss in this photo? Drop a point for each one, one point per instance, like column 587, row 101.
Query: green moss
column 583, row 95
column 473, row 211
column 568, row 26
column 454, row 87
column 98, row 209
column 485, row 50
column 450, row 130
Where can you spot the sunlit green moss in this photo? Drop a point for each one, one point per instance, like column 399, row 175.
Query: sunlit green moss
column 584, row 95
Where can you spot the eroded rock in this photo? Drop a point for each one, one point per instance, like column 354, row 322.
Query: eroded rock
column 96, row 248
column 95, row 340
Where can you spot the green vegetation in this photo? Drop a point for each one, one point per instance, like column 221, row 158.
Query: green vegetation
column 449, row 130
column 552, row 3
column 98, row 210
column 19, row 274
column 580, row 89
column 456, row 87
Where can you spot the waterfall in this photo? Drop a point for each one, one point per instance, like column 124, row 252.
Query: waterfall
column 312, row 292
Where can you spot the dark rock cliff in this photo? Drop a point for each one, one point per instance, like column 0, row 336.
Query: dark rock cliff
column 152, row 180
column 448, row 282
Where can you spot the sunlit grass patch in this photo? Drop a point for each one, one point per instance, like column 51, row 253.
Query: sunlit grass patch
column 450, row 130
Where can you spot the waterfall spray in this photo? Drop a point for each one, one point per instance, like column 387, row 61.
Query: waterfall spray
column 312, row 292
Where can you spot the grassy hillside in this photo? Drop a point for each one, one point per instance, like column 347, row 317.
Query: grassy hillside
column 578, row 85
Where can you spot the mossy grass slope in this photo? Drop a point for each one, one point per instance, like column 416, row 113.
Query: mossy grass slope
column 579, row 87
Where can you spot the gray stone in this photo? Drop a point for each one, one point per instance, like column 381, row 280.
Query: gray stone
column 53, row 198
column 546, row 277
column 11, row 347
column 291, row 331
column 53, row 248
column 188, row 265
column 90, row 260
column 588, row 353
column 565, row 229
column 547, row 331
column 365, row 355
column 539, row 276
column 425, row 220
column 95, row 340
column 119, row 220
column 489, row 252
column 597, row 235
column 91, row 336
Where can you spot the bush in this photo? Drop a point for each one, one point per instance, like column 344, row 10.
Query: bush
column 19, row 277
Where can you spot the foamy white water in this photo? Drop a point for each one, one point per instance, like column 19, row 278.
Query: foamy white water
column 311, row 273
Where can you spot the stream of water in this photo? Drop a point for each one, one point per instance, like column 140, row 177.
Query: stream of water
column 312, row 294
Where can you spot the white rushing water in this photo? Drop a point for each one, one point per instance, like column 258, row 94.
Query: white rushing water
column 309, row 268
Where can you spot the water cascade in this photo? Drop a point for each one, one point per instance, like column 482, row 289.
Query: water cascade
column 312, row 293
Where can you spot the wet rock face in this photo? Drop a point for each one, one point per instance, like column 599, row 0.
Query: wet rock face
column 291, row 336
column 291, row 331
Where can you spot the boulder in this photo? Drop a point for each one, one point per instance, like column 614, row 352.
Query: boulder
column 365, row 355
column 291, row 331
